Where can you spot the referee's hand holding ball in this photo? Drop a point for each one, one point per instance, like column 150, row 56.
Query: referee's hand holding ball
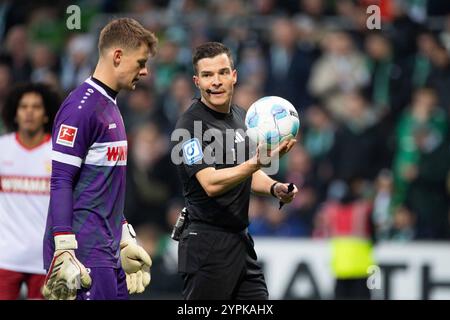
column 264, row 156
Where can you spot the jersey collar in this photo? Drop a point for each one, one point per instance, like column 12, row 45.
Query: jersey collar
column 217, row 114
column 46, row 139
column 100, row 89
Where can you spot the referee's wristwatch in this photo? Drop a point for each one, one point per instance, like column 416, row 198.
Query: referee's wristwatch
column 272, row 189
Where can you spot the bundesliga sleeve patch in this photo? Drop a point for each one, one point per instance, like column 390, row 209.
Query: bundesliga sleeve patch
column 67, row 135
column 192, row 151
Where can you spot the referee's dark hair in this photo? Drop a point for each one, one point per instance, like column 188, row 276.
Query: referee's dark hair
column 50, row 98
column 210, row 50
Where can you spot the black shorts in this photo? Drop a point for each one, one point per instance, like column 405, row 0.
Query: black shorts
column 351, row 289
column 219, row 265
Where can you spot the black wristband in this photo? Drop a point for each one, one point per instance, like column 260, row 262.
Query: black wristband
column 272, row 189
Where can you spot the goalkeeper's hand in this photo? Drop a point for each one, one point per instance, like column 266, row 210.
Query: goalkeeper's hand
column 135, row 261
column 66, row 274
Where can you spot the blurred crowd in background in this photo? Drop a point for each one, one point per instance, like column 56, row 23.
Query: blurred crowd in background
column 374, row 104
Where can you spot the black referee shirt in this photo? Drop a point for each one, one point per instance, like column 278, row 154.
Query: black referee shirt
column 215, row 140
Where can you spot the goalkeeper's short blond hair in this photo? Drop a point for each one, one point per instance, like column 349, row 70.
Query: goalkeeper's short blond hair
column 126, row 33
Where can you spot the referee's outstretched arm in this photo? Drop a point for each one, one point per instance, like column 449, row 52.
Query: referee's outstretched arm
column 216, row 182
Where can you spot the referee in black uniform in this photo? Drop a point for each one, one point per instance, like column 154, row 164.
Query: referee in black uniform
column 215, row 254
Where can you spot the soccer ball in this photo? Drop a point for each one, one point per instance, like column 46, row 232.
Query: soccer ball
column 270, row 120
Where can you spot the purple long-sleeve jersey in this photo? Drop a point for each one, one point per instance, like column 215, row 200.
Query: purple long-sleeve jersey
column 88, row 176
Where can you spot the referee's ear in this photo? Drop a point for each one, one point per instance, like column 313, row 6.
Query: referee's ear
column 195, row 79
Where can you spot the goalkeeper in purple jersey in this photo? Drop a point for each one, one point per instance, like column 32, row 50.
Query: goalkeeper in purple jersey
column 90, row 250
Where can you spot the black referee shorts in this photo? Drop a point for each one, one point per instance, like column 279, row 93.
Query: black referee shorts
column 219, row 265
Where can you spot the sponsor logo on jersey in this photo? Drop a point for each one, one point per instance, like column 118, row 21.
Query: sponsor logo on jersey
column 67, row 135
column 118, row 153
column 112, row 126
column 107, row 154
column 23, row 184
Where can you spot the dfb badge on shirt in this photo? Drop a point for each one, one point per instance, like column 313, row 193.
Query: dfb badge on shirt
column 192, row 151
column 67, row 135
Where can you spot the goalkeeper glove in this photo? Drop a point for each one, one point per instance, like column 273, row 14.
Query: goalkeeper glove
column 66, row 274
column 135, row 261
